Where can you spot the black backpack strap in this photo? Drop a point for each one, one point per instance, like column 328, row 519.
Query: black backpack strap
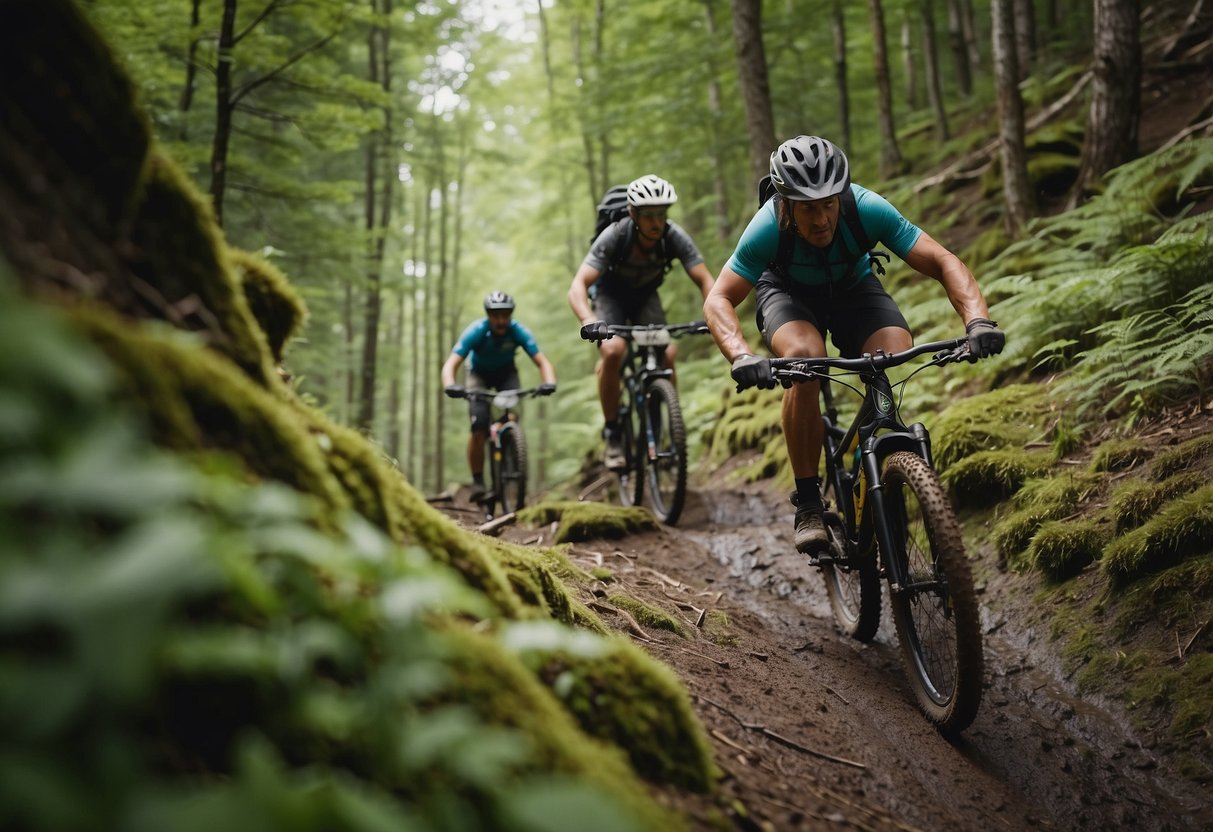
column 849, row 212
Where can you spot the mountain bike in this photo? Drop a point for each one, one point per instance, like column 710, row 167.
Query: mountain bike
column 650, row 416
column 506, row 450
column 888, row 516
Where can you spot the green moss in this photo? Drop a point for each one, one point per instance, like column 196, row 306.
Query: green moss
column 1184, row 528
column 1106, row 667
column 1173, row 598
column 648, row 616
column 1181, row 457
column 744, row 422
column 500, row 689
column 601, row 573
column 1008, row 417
column 718, row 630
column 1062, row 549
column 1119, row 455
column 1135, row 502
column 627, row 698
column 587, row 521
column 275, row 305
column 989, row 476
column 1186, row 692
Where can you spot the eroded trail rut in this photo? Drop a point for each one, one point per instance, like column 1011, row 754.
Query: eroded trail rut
column 791, row 689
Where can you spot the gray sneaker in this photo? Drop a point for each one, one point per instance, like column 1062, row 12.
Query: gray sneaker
column 614, row 458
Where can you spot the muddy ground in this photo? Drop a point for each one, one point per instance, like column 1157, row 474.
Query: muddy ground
column 816, row 731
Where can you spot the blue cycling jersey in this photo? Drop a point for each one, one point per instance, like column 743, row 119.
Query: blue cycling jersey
column 759, row 243
column 491, row 352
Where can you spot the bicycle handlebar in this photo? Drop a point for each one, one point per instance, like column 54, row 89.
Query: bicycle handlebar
column 487, row 395
column 675, row 330
column 946, row 352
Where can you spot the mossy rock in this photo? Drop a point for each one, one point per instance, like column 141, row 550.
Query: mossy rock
column 647, row 615
column 1136, row 502
column 586, row 521
column 1183, row 529
column 1119, row 455
column 1195, row 452
column 1061, row 549
column 275, row 305
column 988, row 477
column 1008, row 417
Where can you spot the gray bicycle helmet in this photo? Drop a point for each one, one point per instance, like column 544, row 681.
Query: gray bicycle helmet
column 651, row 190
column 809, row 167
column 498, row 300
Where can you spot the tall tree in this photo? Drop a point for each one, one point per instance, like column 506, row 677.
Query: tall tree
column 840, row 73
column 1115, row 113
column 934, row 83
column 715, row 121
column 961, row 61
column 1025, row 36
column 909, row 61
column 755, row 86
column 1010, row 117
column 890, row 154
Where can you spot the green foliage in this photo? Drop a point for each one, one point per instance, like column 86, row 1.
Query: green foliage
column 1184, row 528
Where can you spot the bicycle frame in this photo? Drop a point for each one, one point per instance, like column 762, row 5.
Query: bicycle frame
column 875, row 432
column 503, row 422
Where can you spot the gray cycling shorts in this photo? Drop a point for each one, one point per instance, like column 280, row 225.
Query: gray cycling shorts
column 478, row 410
column 850, row 316
column 624, row 311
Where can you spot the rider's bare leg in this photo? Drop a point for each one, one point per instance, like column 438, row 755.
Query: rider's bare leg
column 803, row 431
column 610, row 364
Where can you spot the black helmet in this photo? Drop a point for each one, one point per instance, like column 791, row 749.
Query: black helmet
column 498, row 300
column 809, row 167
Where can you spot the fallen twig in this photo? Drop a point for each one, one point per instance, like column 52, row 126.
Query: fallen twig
column 767, row 732
column 494, row 526
column 1184, row 650
column 633, row 626
column 718, row 735
column 592, row 487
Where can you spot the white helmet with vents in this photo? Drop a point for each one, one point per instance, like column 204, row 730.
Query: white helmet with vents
column 651, row 190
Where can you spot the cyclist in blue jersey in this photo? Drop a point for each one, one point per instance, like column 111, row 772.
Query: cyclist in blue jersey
column 818, row 281
column 491, row 342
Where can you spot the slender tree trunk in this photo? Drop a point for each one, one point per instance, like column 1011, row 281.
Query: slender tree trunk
column 909, row 62
column 583, row 85
column 934, row 84
column 440, row 342
column 960, row 52
column 429, row 438
column 1025, row 36
column 223, row 108
column 191, row 70
column 1010, row 118
column 890, row 155
column 396, row 370
column 724, row 227
column 971, row 38
column 840, row 74
column 416, row 385
column 755, row 87
column 1115, row 114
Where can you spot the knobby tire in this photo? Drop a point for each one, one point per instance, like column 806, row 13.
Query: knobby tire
column 512, row 488
column 937, row 617
column 667, row 472
column 853, row 586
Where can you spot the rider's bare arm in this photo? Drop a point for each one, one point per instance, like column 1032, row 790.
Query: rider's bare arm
column 932, row 259
column 449, row 367
column 546, row 371
column 579, row 292
column 720, row 313
column 702, row 275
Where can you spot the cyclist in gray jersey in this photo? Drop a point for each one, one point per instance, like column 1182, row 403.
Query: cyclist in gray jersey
column 617, row 284
column 817, row 292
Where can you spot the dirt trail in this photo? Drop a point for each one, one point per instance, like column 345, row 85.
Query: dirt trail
column 814, row 730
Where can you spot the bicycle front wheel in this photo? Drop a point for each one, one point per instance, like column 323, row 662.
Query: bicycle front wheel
column 511, row 490
column 666, row 459
column 936, row 614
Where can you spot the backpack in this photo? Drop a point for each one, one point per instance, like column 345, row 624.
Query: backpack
column 612, row 208
column 848, row 213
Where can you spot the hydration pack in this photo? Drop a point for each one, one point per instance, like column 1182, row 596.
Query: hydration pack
column 612, row 209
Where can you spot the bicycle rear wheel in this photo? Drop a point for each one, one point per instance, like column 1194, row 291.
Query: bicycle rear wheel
column 629, row 480
column 852, row 580
column 936, row 614
column 511, row 491
column 666, row 462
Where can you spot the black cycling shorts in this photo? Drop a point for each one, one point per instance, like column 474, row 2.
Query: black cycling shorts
column 850, row 315
column 478, row 410
column 622, row 311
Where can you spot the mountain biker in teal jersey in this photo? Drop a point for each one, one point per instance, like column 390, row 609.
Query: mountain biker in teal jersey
column 818, row 281
column 491, row 342
column 625, row 266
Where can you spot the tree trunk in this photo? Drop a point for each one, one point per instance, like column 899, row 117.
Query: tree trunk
column 959, row 49
column 416, row 385
column 191, row 70
column 890, row 155
column 223, row 108
column 724, row 227
column 1112, row 122
column 934, row 84
column 1025, row 36
column 396, row 370
column 429, row 439
column 755, row 87
column 440, row 342
column 584, row 83
column 840, row 74
column 972, row 40
column 909, row 62
column 1010, row 118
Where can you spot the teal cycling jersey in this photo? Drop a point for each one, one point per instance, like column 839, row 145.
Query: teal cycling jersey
column 811, row 266
column 491, row 352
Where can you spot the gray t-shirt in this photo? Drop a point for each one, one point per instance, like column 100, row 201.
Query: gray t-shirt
column 637, row 271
